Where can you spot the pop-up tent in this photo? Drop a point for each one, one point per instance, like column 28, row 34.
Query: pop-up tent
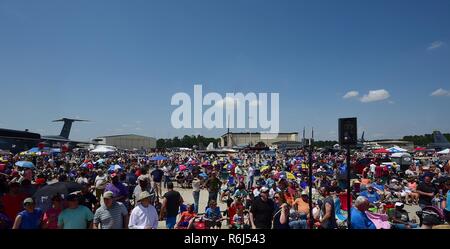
column 104, row 149
column 396, row 149
column 446, row 151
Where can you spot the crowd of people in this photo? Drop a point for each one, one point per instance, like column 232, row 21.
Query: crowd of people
column 256, row 189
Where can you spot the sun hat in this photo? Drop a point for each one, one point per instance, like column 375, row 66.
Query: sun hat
column 28, row 201
column 143, row 195
column 108, row 195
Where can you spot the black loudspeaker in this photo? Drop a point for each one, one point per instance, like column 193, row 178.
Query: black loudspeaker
column 348, row 131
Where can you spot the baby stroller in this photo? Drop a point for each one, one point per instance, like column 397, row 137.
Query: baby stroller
column 431, row 216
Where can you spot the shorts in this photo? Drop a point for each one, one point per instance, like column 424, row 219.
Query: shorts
column 170, row 222
column 157, row 185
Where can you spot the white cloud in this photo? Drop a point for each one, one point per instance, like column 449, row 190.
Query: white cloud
column 350, row 94
column 440, row 92
column 375, row 95
column 436, row 44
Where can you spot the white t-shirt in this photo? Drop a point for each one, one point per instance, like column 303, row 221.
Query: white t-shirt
column 256, row 192
column 100, row 181
column 372, row 168
column 142, row 217
column 272, row 193
column 166, row 171
column 196, row 185
column 251, row 171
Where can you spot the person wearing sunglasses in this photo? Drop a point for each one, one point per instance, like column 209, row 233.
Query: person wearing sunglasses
column 281, row 216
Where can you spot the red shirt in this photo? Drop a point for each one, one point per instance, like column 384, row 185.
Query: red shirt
column 233, row 210
column 13, row 204
column 378, row 171
column 51, row 216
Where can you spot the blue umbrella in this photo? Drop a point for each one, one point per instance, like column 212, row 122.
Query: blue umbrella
column 55, row 150
column 33, row 150
column 25, row 164
column 158, row 158
column 203, row 175
column 114, row 167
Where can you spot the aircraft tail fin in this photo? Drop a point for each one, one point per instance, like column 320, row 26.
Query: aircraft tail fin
column 210, row 146
column 65, row 131
column 438, row 137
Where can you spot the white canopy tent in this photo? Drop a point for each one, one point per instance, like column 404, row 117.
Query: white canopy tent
column 396, row 149
column 104, row 149
column 446, row 151
column 400, row 154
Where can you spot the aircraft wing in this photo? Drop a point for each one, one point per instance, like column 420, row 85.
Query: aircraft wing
column 63, row 140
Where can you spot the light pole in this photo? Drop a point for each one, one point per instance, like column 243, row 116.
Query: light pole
column 348, row 136
column 349, row 202
column 250, row 130
column 311, row 219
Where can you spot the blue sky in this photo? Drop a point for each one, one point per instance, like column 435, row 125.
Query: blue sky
column 118, row 63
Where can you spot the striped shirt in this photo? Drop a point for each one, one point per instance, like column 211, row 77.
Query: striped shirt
column 110, row 218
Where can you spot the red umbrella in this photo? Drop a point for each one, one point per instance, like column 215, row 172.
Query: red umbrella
column 182, row 167
column 419, row 149
column 380, row 151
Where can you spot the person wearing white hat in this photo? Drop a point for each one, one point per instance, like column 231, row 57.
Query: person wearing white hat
column 143, row 185
column 400, row 218
column 111, row 215
column 262, row 210
column 144, row 215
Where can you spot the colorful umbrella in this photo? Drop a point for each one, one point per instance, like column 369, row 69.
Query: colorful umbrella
column 25, row 164
column 381, row 151
column 264, row 168
column 114, row 167
column 182, row 167
column 290, row 176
